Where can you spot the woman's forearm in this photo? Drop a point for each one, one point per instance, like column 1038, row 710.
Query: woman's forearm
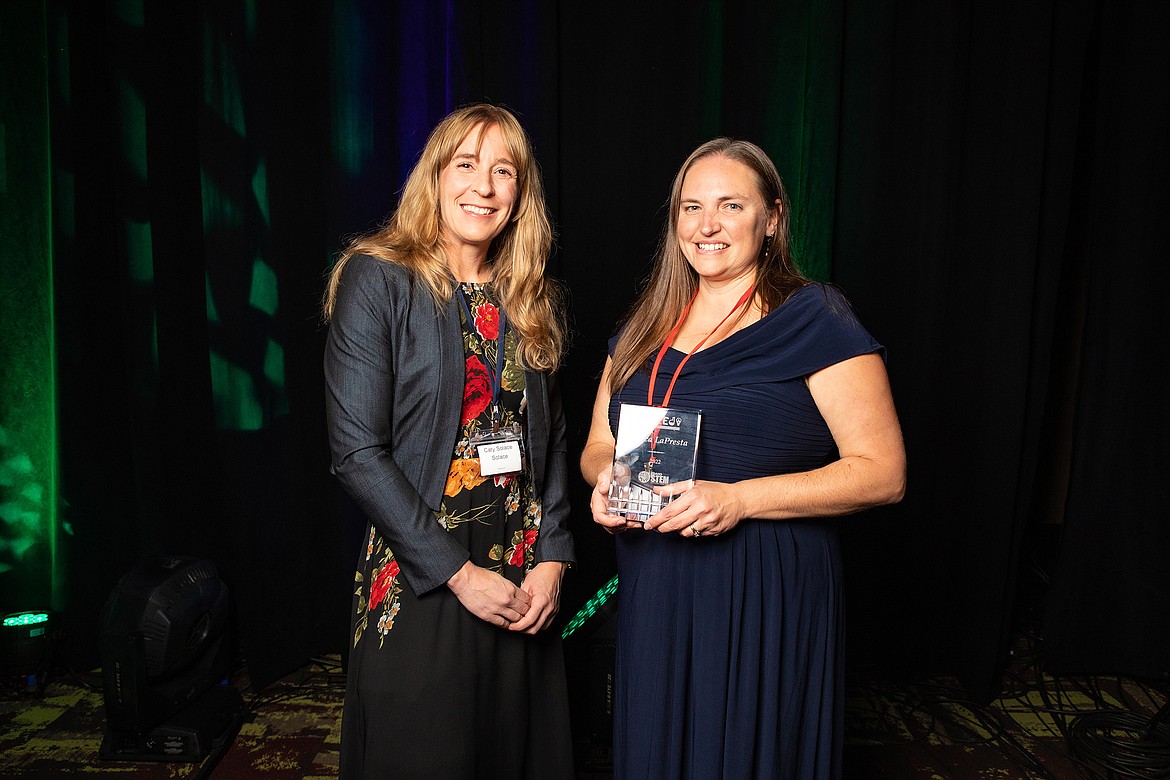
column 596, row 457
column 839, row 488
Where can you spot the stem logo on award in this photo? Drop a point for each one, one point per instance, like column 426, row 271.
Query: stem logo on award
column 656, row 447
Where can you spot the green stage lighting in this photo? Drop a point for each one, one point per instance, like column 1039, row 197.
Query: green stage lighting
column 592, row 607
column 26, row 619
column 25, row 646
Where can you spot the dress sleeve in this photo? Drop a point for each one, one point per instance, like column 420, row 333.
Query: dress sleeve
column 839, row 333
column 360, row 395
column 814, row 329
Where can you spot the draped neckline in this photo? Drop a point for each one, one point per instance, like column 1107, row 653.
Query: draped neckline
column 759, row 324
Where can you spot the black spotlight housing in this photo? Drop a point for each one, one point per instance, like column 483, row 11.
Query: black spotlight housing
column 165, row 647
column 26, row 643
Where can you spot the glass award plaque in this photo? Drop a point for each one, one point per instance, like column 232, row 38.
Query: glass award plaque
column 656, row 446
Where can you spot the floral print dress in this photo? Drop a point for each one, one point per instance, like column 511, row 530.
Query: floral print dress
column 460, row 689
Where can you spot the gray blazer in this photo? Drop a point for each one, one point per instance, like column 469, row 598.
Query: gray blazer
column 394, row 375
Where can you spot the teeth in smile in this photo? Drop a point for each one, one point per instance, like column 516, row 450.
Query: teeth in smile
column 483, row 212
column 712, row 247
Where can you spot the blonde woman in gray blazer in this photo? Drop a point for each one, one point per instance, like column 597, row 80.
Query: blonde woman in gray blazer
column 445, row 426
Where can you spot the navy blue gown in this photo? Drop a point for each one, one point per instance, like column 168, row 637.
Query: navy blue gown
column 730, row 648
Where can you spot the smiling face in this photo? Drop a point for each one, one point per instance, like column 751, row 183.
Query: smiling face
column 723, row 219
column 477, row 193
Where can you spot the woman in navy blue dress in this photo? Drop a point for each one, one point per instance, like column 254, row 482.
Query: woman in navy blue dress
column 730, row 624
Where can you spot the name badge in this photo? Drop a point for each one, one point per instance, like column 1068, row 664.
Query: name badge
column 500, row 452
column 502, row 457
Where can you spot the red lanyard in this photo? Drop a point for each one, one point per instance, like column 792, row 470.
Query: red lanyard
column 670, row 340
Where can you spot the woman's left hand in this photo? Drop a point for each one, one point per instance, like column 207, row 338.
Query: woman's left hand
column 543, row 584
column 705, row 509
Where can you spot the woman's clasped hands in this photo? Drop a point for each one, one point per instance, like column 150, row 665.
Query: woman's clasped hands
column 528, row 608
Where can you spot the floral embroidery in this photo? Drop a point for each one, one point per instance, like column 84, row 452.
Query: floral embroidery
column 382, row 583
column 384, row 593
column 452, row 519
column 521, row 552
column 513, row 372
column 487, row 321
column 386, row 622
column 463, row 475
column 477, row 389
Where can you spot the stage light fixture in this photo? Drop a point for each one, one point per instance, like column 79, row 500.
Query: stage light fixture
column 26, row 642
column 166, row 649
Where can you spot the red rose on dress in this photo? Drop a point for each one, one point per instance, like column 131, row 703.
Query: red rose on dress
column 487, row 321
column 520, row 550
column 477, row 390
column 517, row 558
column 382, row 583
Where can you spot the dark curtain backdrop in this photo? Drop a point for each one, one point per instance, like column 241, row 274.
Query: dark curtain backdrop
column 987, row 181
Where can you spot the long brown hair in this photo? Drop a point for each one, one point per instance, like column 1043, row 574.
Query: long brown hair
column 411, row 236
column 673, row 281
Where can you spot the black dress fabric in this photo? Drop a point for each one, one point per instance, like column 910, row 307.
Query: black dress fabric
column 435, row 692
column 729, row 650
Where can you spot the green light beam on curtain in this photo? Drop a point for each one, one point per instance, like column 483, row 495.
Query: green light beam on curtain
column 248, row 379
column 137, row 232
column 802, row 114
column 29, row 528
column 352, row 126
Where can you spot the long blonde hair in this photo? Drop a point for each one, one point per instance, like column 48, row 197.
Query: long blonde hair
column 673, row 281
column 411, row 237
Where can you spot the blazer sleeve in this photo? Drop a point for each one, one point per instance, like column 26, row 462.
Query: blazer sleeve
column 360, row 395
column 554, row 542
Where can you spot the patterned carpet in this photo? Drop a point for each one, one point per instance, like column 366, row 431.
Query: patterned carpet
column 291, row 730
column 1042, row 728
